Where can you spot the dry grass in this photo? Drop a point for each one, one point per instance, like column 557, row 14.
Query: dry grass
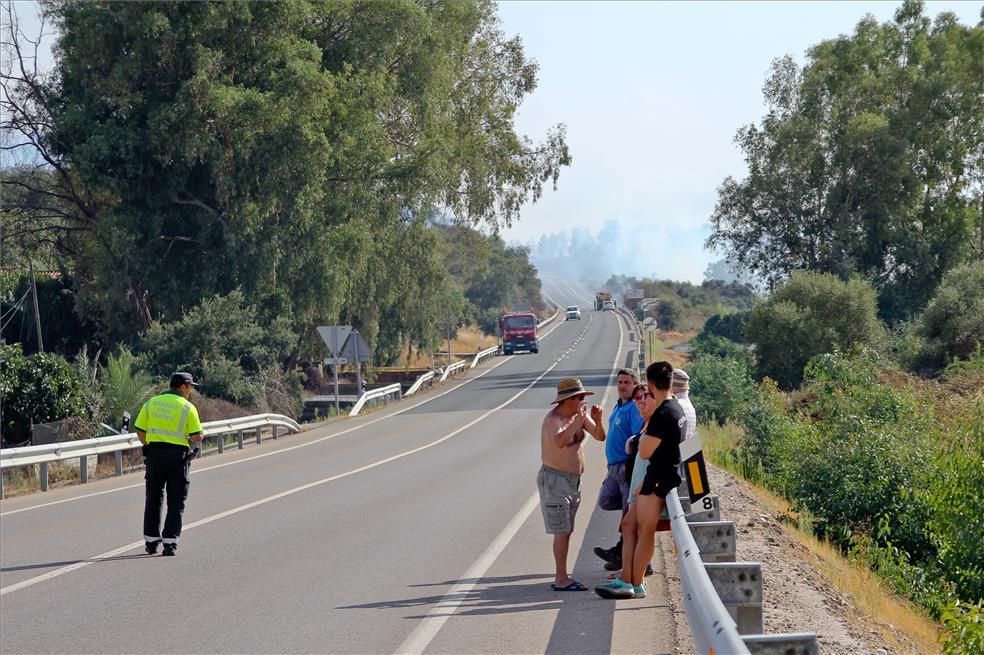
column 880, row 609
column 468, row 340
column 663, row 342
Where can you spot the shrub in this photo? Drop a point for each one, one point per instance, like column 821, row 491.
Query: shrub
column 811, row 314
column 39, row 389
column 125, row 386
column 953, row 323
column 221, row 342
column 729, row 326
column 720, row 386
column 964, row 623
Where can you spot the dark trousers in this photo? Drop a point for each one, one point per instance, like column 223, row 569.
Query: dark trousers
column 166, row 469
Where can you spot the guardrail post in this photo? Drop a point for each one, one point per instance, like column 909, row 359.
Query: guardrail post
column 84, row 468
column 740, row 587
column 715, row 540
column 220, row 443
column 796, row 643
column 276, row 430
column 118, row 462
column 1, row 485
column 239, row 439
column 259, row 436
column 43, row 475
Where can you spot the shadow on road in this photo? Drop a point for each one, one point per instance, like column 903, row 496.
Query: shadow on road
column 51, row 565
column 584, row 625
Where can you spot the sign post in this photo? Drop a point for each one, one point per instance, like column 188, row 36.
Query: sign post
column 335, row 337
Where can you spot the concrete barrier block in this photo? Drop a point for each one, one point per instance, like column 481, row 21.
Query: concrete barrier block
column 739, row 585
column 715, row 540
column 707, row 508
column 796, row 643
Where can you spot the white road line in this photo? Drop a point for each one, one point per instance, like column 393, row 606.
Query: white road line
column 431, row 625
column 262, row 501
column 199, row 471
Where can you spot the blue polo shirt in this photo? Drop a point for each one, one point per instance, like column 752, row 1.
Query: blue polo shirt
column 624, row 422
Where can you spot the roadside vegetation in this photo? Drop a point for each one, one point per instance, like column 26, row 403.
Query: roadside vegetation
column 853, row 388
column 191, row 200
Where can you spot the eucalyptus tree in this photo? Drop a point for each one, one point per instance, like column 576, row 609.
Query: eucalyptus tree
column 287, row 149
column 870, row 160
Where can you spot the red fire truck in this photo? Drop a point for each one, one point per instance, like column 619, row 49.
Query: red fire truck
column 519, row 332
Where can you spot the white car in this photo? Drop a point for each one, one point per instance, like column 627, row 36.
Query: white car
column 573, row 312
column 608, row 306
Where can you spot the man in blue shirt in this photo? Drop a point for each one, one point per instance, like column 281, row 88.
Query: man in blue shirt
column 624, row 422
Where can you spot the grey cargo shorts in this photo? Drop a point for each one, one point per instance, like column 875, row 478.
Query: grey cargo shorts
column 560, row 496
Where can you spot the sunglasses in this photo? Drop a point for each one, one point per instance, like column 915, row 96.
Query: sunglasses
column 642, row 396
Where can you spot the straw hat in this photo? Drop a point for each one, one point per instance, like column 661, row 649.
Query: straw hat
column 568, row 388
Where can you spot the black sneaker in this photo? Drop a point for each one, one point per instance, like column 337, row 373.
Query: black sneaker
column 608, row 554
column 649, row 569
column 151, row 547
column 615, row 565
column 169, row 550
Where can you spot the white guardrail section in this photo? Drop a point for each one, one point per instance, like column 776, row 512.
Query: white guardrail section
column 118, row 443
column 448, row 370
column 482, row 354
column 547, row 320
column 415, row 387
column 389, row 390
column 713, row 629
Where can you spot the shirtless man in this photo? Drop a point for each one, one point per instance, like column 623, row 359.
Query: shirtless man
column 559, row 481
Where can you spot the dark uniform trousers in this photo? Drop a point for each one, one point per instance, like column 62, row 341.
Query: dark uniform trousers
column 166, row 469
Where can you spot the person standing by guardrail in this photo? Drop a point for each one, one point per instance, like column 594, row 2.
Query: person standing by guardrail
column 562, row 436
column 660, row 445
column 623, row 423
column 166, row 426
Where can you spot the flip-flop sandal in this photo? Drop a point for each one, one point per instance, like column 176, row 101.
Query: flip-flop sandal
column 574, row 585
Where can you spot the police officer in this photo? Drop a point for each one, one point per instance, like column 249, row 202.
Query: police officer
column 166, row 424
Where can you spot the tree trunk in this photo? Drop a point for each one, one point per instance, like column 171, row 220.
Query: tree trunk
column 139, row 303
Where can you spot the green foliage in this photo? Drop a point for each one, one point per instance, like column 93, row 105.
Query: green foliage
column 950, row 486
column 63, row 330
column 720, row 386
column 811, row 314
column 37, row 389
column 728, row 326
column 493, row 277
column 125, row 386
column 953, row 323
column 868, row 161
column 686, row 306
column 889, row 467
column 964, row 623
column 221, row 342
column 295, row 151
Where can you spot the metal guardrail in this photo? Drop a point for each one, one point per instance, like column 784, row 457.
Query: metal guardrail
column 451, row 368
column 389, row 390
column 712, row 627
column 547, row 320
column 118, row 443
column 722, row 597
column 482, row 354
column 415, row 387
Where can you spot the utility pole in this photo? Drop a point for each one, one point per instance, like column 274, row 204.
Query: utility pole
column 37, row 314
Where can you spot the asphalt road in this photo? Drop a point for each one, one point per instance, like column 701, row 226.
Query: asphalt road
column 411, row 529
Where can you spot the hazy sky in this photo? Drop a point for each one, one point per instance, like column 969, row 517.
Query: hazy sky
column 652, row 95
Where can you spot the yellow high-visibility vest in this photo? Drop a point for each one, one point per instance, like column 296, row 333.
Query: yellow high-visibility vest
column 168, row 418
